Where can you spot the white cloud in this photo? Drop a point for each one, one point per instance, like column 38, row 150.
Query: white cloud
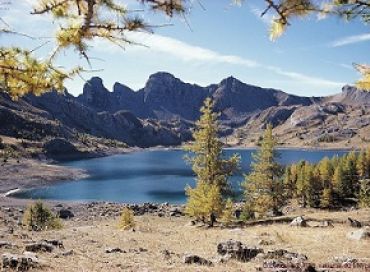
column 306, row 79
column 190, row 53
column 351, row 40
column 185, row 51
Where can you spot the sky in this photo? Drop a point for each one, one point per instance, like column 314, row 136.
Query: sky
column 214, row 40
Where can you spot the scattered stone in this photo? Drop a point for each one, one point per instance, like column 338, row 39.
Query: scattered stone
column 299, row 222
column 39, row 246
column 283, row 254
column 6, row 244
column 236, row 250
column 195, row 259
column 167, row 254
column 65, row 214
column 354, row 223
column 263, row 242
column 56, row 243
column 67, row 253
column 19, row 262
column 360, row 234
column 345, row 260
column 114, row 250
column 326, row 224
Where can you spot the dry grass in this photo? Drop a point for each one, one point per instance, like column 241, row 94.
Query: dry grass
column 155, row 234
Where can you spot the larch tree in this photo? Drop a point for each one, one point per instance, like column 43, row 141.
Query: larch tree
column 264, row 184
column 211, row 167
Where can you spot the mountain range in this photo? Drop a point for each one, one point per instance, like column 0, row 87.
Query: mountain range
column 164, row 111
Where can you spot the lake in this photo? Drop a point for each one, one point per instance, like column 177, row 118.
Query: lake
column 148, row 176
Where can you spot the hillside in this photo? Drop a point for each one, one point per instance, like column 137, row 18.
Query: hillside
column 164, row 111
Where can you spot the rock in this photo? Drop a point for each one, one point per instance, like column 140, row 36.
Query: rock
column 354, row 223
column 19, row 262
column 6, row 244
column 360, row 234
column 238, row 251
column 195, row 259
column 263, row 242
column 326, row 224
column 65, row 214
column 299, row 222
column 56, row 243
column 114, row 250
column 40, row 246
column 345, row 260
column 283, row 254
column 59, row 146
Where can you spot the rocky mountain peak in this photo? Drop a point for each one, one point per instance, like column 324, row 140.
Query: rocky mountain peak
column 121, row 89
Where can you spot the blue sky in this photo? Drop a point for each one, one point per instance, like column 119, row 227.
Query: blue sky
column 312, row 58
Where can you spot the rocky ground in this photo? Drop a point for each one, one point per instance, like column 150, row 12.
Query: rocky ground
column 165, row 240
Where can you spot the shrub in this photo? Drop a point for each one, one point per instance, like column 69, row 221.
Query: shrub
column 39, row 217
column 126, row 220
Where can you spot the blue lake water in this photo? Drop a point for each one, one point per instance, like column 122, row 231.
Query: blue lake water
column 148, row 176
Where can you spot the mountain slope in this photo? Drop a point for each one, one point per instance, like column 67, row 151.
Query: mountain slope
column 164, row 111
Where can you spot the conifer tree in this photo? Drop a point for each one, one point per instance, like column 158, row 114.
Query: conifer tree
column 351, row 185
column 326, row 200
column 309, row 185
column 227, row 213
column 210, row 166
column 264, row 186
column 126, row 220
column 364, row 195
column 338, row 181
column 362, row 164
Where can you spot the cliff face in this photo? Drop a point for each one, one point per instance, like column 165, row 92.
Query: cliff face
column 164, row 111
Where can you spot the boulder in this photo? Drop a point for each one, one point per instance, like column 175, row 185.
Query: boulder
column 22, row 262
column 65, row 214
column 299, row 222
column 195, row 259
column 238, row 251
column 360, row 234
column 39, row 246
column 6, row 244
column 114, row 250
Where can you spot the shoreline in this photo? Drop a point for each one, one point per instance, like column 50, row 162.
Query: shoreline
column 33, row 173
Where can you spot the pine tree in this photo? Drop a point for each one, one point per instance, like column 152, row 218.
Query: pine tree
column 210, row 166
column 263, row 186
column 227, row 214
column 309, row 185
column 204, row 202
column 362, row 165
column 326, row 200
column 326, row 172
column 351, row 185
column 301, row 184
column 126, row 220
column 39, row 217
column 364, row 195
column 338, row 182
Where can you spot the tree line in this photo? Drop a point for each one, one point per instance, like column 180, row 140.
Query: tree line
column 269, row 186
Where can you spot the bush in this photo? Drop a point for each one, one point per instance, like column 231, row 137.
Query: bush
column 127, row 220
column 39, row 217
column 247, row 213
